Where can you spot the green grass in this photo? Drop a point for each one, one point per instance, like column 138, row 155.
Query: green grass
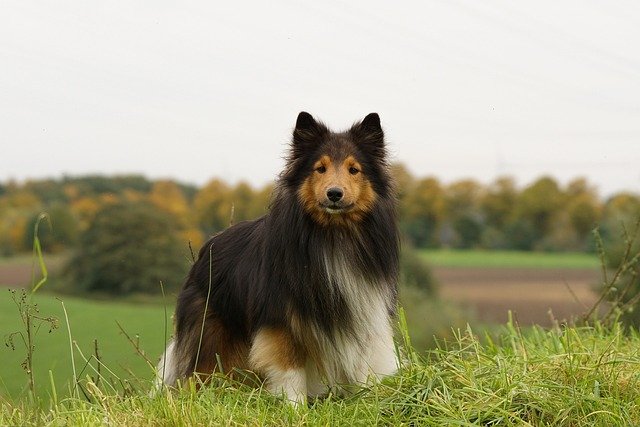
column 563, row 377
column 92, row 319
column 89, row 320
column 509, row 259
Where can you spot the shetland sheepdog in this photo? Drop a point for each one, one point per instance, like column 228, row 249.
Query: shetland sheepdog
column 304, row 296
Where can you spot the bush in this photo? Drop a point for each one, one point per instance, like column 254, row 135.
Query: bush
column 415, row 272
column 58, row 232
column 429, row 318
column 622, row 257
column 129, row 247
column 468, row 230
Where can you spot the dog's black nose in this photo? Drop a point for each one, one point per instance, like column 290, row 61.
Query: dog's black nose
column 334, row 194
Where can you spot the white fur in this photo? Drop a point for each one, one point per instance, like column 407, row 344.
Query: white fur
column 290, row 382
column 166, row 371
column 348, row 358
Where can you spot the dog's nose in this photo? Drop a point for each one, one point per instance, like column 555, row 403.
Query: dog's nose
column 334, row 194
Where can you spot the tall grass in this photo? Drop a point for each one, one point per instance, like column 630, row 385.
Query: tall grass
column 31, row 318
column 575, row 376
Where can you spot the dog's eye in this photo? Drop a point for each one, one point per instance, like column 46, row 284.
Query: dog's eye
column 321, row 169
column 353, row 170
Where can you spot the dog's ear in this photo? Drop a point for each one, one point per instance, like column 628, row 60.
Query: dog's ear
column 305, row 122
column 307, row 131
column 369, row 133
column 371, row 123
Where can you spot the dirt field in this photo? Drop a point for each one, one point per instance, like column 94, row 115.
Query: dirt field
column 16, row 273
column 530, row 293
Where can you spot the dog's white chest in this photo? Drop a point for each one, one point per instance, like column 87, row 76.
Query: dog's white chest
column 350, row 356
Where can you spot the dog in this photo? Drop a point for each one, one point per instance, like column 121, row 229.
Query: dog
column 304, row 296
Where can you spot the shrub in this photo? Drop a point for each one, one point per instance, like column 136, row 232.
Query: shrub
column 60, row 231
column 621, row 254
column 414, row 271
column 129, row 247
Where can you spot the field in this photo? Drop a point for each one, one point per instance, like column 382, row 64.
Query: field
column 535, row 286
column 486, row 284
column 528, row 376
column 16, row 271
column 89, row 321
column 510, row 259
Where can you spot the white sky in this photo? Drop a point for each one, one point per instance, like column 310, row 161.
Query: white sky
column 194, row 90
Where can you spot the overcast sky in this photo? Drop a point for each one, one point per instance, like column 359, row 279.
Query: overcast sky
column 195, row 90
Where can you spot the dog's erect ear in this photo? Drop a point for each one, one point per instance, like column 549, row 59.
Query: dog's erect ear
column 371, row 123
column 305, row 122
column 369, row 133
column 308, row 132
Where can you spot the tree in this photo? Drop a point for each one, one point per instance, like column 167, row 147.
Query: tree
column 404, row 181
column 423, row 213
column 584, row 211
column 213, row 206
column 468, row 230
column 241, row 199
column 59, row 232
column 496, row 206
column 260, row 201
column 169, row 196
column 621, row 239
column 17, row 206
column 415, row 272
column 536, row 207
column 620, row 212
column 129, row 247
column 498, row 201
column 462, row 201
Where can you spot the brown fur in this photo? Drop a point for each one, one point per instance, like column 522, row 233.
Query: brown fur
column 358, row 191
column 217, row 345
column 221, row 346
column 275, row 348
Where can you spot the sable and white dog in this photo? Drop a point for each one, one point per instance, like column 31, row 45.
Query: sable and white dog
column 305, row 295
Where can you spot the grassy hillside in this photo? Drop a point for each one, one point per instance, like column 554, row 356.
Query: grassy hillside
column 509, row 259
column 568, row 377
column 89, row 320
column 96, row 320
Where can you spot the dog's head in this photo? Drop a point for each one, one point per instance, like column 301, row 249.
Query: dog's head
column 337, row 177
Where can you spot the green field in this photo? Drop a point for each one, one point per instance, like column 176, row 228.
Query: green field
column 509, row 259
column 89, row 320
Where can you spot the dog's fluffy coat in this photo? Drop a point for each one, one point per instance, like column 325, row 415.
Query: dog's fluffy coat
column 305, row 295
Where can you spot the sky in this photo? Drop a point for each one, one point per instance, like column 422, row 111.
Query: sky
column 201, row 89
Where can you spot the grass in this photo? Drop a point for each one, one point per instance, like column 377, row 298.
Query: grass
column 509, row 259
column 89, row 320
column 566, row 377
column 570, row 376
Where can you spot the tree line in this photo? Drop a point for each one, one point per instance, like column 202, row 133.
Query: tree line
column 542, row 215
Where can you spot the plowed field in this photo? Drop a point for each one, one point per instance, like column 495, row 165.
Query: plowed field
column 530, row 293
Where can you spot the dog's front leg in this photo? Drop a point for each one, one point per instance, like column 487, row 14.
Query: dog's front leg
column 275, row 355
